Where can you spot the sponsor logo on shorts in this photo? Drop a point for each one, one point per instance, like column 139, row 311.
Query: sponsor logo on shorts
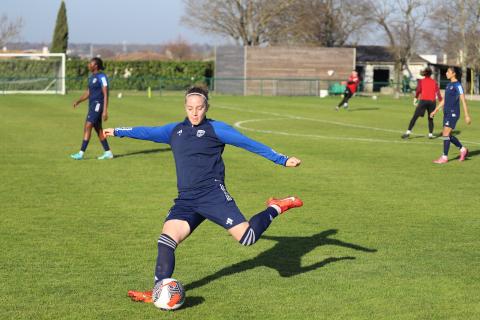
column 97, row 107
column 229, row 221
column 200, row 133
column 454, row 115
column 225, row 192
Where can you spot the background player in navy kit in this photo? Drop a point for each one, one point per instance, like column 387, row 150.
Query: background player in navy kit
column 197, row 144
column 428, row 91
column 97, row 95
column 451, row 113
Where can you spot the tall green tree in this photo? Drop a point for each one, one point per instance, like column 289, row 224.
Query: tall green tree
column 60, row 35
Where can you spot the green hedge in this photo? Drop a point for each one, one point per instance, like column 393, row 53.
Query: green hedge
column 123, row 75
column 139, row 75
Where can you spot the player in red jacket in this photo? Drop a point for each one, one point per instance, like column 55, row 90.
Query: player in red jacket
column 350, row 89
column 427, row 93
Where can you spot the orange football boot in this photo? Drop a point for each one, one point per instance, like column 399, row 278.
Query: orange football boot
column 141, row 296
column 285, row 203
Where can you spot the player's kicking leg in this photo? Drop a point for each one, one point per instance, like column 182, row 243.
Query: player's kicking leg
column 247, row 233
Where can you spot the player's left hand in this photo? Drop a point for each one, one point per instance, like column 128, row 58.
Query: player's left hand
column 105, row 116
column 468, row 120
column 432, row 114
column 415, row 102
column 293, row 162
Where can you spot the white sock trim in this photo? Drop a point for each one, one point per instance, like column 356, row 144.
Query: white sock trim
column 274, row 206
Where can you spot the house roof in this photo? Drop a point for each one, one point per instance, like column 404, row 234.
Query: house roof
column 380, row 54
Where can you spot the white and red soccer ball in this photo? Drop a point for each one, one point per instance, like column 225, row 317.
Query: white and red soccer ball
column 168, row 294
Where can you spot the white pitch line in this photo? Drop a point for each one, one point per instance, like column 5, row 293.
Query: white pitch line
column 310, row 119
column 238, row 124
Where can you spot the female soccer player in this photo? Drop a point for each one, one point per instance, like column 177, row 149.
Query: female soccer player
column 451, row 113
column 428, row 91
column 97, row 95
column 350, row 89
column 197, row 144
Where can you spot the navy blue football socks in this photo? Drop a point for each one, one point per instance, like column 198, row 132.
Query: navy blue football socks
column 456, row 142
column 84, row 145
column 258, row 224
column 446, row 146
column 105, row 145
column 165, row 258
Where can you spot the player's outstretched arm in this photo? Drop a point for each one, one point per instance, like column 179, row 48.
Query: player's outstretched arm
column 156, row 134
column 229, row 135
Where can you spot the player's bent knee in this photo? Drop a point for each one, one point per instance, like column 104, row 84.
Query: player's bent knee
column 238, row 231
column 178, row 230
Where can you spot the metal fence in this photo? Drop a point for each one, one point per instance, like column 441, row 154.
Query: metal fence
column 228, row 86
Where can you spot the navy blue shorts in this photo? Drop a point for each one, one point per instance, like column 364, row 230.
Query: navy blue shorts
column 213, row 203
column 95, row 110
column 450, row 120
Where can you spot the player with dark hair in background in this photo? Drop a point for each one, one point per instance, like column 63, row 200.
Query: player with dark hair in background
column 97, row 95
column 425, row 99
column 197, row 144
column 451, row 113
column 350, row 88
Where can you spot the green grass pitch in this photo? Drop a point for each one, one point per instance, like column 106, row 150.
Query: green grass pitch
column 383, row 234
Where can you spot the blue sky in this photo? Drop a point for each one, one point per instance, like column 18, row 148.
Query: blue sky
column 105, row 21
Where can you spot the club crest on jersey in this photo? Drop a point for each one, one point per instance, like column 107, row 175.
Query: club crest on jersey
column 200, row 133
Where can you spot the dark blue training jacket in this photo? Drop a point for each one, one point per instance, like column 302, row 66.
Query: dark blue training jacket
column 198, row 149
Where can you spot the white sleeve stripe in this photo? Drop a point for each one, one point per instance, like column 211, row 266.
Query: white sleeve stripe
column 460, row 89
column 104, row 81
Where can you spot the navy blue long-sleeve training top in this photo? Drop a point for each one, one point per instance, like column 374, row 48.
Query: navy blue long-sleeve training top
column 198, row 149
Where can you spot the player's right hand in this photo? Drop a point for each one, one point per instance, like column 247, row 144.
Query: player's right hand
column 415, row 102
column 75, row 104
column 109, row 132
column 432, row 114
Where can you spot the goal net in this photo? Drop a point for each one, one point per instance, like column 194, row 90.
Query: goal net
column 35, row 73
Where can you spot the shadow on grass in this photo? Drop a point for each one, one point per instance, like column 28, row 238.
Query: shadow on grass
column 192, row 302
column 285, row 257
column 470, row 154
column 142, row 152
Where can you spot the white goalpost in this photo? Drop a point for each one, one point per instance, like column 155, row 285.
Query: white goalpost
column 32, row 73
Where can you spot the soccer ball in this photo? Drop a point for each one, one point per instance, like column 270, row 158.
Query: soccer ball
column 168, row 294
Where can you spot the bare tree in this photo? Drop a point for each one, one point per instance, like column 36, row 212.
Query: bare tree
column 179, row 49
column 248, row 22
column 9, row 30
column 328, row 23
column 459, row 31
column 402, row 23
